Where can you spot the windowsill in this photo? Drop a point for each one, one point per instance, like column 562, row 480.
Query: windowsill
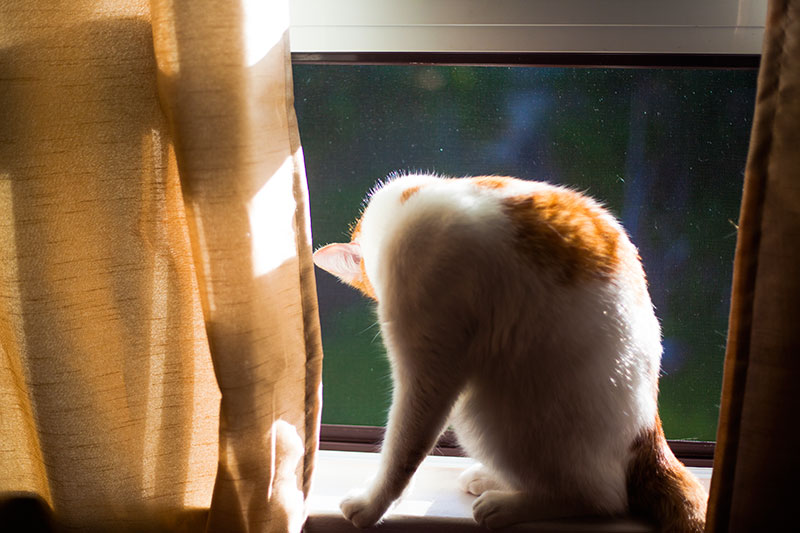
column 435, row 503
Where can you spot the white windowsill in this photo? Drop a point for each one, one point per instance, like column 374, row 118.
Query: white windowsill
column 435, row 503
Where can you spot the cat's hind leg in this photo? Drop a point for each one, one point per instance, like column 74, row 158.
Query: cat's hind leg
column 478, row 478
column 500, row 508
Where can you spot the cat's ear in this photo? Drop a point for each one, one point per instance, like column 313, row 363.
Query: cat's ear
column 343, row 260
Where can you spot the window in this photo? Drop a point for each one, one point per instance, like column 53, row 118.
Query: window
column 663, row 145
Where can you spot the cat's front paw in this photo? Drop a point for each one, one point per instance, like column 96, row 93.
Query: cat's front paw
column 362, row 510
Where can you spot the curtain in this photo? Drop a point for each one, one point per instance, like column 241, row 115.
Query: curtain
column 757, row 463
column 159, row 342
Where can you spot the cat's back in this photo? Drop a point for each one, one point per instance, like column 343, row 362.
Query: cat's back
column 444, row 212
column 422, row 205
column 491, row 220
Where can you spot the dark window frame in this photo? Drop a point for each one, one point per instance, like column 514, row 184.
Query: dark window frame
column 532, row 59
column 341, row 437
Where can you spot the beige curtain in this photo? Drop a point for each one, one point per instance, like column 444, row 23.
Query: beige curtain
column 159, row 342
column 757, row 464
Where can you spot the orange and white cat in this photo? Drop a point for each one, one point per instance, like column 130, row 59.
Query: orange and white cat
column 517, row 312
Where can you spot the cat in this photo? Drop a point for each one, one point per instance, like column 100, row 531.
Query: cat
column 517, row 312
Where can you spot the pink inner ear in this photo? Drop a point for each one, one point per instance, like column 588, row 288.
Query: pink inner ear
column 343, row 260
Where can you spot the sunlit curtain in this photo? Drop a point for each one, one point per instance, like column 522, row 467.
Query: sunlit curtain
column 159, row 341
column 757, row 464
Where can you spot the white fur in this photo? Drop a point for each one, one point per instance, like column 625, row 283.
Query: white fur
column 545, row 383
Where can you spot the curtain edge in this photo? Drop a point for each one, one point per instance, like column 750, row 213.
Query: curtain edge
column 734, row 381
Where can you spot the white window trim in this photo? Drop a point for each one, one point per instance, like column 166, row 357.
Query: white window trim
column 575, row 26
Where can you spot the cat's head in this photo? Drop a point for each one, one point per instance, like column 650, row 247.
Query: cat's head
column 345, row 261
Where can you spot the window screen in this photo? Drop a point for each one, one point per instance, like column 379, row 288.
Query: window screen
column 663, row 149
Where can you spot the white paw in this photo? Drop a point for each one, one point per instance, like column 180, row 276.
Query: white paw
column 362, row 510
column 495, row 509
column 477, row 479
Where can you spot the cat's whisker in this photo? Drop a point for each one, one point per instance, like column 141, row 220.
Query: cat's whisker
column 369, row 327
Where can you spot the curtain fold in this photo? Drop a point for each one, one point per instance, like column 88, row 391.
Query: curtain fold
column 159, row 342
column 225, row 84
column 757, row 461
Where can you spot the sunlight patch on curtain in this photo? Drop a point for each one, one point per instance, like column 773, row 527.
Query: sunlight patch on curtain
column 288, row 449
column 272, row 221
column 260, row 39
column 155, row 388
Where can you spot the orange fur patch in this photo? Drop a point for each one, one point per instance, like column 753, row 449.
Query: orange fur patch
column 660, row 488
column 408, row 193
column 362, row 283
column 564, row 231
column 491, row 182
column 355, row 231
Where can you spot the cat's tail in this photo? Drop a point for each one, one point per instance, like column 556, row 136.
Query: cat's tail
column 660, row 488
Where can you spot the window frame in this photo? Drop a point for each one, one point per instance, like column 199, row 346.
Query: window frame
column 586, row 26
column 350, row 438
column 724, row 34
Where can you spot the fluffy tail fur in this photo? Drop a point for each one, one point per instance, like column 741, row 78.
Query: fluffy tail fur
column 661, row 489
